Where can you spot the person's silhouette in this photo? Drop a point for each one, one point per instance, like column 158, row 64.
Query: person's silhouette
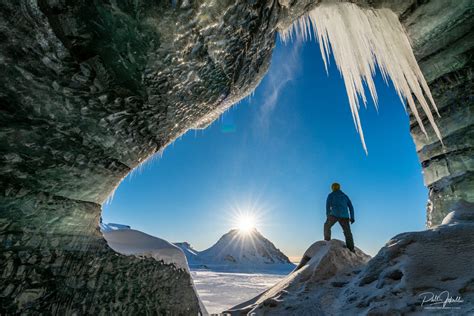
column 339, row 209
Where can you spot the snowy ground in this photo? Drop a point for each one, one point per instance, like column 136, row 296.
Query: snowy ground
column 415, row 273
column 222, row 290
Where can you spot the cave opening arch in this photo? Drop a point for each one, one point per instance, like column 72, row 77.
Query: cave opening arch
column 294, row 151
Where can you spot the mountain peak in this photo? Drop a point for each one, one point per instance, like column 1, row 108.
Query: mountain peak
column 239, row 247
column 250, row 232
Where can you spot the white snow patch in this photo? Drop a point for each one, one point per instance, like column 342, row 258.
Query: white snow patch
column 360, row 39
column 134, row 242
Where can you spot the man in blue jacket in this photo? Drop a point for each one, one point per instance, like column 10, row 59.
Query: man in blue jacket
column 339, row 209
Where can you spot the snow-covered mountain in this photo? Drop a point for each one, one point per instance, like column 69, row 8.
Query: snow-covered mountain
column 192, row 255
column 238, row 251
column 243, row 248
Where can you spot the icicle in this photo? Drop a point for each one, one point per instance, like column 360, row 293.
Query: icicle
column 360, row 39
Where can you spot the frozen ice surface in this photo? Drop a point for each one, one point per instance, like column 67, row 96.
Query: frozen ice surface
column 221, row 290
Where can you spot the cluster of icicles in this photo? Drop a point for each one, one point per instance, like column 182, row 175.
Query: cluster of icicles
column 360, row 39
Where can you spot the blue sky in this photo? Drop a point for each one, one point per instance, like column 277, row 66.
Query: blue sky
column 276, row 153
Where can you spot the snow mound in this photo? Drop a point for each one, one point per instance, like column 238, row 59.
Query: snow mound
column 409, row 270
column 250, row 250
column 326, row 266
column 413, row 266
column 134, row 242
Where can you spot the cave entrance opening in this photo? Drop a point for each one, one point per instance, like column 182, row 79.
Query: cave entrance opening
column 281, row 148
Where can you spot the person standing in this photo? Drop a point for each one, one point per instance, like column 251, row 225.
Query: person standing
column 339, row 209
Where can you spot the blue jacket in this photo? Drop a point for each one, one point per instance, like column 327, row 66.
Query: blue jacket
column 338, row 204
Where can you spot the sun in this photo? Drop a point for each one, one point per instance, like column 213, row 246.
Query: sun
column 246, row 223
column 246, row 216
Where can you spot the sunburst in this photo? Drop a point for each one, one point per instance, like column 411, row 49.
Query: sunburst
column 246, row 223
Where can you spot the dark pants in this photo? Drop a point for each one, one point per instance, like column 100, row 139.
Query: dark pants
column 346, row 228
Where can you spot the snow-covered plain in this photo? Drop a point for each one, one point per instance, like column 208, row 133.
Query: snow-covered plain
column 221, row 290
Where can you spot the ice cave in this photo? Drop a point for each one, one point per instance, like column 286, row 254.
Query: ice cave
column 91, row 90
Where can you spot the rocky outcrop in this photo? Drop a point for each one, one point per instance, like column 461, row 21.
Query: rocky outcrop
column 89, row 92
column 54, row 260
column 443, row 45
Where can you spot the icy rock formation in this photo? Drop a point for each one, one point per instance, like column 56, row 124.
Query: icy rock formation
column 63, row 265
column 130, row 242
column 409, row 268
column 461, row 213
column 445, row 56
